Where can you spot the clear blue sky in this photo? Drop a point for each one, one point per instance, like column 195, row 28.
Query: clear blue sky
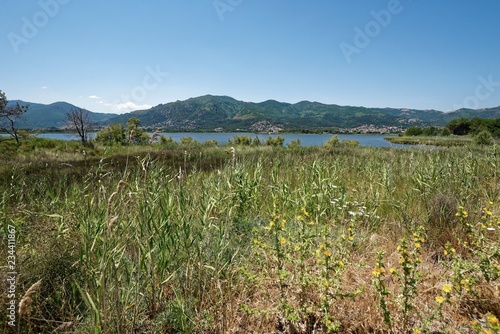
column 118, row 56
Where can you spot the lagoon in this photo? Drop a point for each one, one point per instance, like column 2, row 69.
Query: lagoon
column 374, row 140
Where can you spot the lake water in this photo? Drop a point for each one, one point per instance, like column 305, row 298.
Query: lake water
column 223, row 138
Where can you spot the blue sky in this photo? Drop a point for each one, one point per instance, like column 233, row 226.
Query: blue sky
column 117, row 56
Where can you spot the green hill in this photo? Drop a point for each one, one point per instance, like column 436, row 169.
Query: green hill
column 46, row 116
column 208, row 113
column 223, row 113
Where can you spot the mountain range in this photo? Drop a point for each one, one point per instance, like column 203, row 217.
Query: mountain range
column 51, row 116
column 223, row 113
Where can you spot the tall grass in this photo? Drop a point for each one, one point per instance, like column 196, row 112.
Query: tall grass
column 180, row 241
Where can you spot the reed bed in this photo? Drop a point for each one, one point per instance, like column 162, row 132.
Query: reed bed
column 258, row 240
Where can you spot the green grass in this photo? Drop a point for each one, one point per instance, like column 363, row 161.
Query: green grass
column 178, row 239
column 447, row 141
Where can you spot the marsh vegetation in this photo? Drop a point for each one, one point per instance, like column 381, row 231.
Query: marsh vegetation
column 185, row 238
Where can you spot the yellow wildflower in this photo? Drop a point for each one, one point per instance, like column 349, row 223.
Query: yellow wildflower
column 305, row 212
column 378, row 271
column 326, row 284
column 311, row 223
column 392, row 270
column 417, row 245
column 283, row 240
column 439, row 299
column 492, row 319
column 271, row 223
column 327, row 253
column 447, row 288
column 341, row 264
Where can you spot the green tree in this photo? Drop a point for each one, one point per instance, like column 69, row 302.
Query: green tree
column 414, row 131
column 9, row 116
column 460, row 127
column 429, row 131
column 112, row 135
column 445, row 132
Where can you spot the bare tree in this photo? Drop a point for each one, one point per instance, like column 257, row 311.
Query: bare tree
column 9, row 116
column 79, row 120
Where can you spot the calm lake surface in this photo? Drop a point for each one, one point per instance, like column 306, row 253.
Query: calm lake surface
column 223, row 138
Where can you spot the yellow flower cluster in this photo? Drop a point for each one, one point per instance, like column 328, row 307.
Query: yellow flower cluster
column 492, row 320
column 462, row 212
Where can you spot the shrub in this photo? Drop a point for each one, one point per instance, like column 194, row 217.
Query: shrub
column 294, row 143
column 414, row 131
column 483, row 138
column 332, row 142
column 112, row 135
column 276, row 142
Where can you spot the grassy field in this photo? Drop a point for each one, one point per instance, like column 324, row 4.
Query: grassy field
column 193, row 239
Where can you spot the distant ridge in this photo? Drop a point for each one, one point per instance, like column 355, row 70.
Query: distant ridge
column 224, row 113
column 47, row 116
